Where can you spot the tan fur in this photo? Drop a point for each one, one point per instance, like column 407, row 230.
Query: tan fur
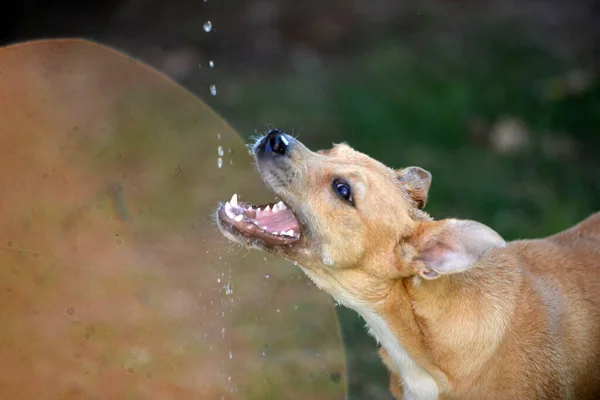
column 517, row 320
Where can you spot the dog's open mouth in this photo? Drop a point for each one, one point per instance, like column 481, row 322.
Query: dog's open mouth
column 274, row 224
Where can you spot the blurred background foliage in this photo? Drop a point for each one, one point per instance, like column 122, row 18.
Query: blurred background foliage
column 498, row 99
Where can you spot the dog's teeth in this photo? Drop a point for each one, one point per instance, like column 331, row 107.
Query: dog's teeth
column 268, row 208
column 234, row 200
column 279, row 207
column 239, row 217
column 229, row 211
column 290, row 232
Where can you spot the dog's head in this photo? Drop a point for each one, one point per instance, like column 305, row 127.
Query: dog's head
column 344, row 216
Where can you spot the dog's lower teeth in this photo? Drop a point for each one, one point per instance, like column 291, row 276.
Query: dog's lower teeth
column 239, row 218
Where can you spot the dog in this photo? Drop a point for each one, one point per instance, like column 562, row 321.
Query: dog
column 459, row 312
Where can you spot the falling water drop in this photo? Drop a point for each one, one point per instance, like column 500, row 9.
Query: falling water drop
column 219, row 162
column 213, row 90
column 207, row 26
column 220, row 151
column 267, row 276
column 211, row 64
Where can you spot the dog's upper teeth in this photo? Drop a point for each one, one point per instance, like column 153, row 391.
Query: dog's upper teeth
column 234, row 200
column 239, row 217
column 289, row 233
column 279, row 207
column 229, row 211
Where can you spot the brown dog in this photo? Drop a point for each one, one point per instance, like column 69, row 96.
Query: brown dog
column 459, row 313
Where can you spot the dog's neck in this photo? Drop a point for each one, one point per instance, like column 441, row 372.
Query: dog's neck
column 429, row 328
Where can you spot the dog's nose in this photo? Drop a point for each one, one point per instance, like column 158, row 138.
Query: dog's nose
column 275, row 142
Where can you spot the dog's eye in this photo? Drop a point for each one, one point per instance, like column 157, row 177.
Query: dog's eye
column 343, row 190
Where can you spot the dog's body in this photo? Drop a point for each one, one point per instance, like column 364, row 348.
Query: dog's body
column 459, row 313
column 523, row 323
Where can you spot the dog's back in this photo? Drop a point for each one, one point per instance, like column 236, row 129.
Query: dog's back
column 564, row 272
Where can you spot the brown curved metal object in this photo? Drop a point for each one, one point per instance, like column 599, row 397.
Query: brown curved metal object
column 114, row 281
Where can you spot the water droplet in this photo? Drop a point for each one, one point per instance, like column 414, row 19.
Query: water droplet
column 219, row 162
column 207, row 26
column 230, row 162
column 230, row 355
column 211, row 64
column 218, row 280
column 278, row 310
column 220, row 151
column 267, row 276
column 213, row 90
column 218, row 136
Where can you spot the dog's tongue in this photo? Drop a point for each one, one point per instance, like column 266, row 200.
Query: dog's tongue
column 276, row 219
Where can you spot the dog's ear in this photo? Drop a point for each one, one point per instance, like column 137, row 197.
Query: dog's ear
column 451, row 246
column 416, row 181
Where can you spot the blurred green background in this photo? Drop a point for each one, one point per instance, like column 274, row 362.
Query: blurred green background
column 499, row 100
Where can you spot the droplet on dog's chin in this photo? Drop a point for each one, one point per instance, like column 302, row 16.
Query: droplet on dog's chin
column 207, row 26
